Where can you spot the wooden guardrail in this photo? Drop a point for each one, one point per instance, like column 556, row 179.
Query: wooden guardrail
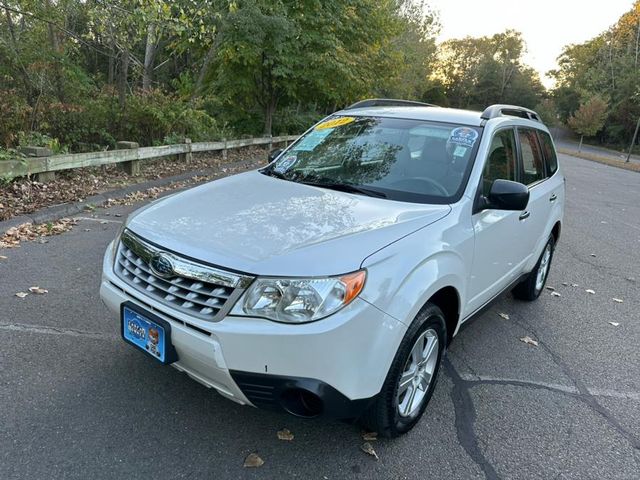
column 47, row 166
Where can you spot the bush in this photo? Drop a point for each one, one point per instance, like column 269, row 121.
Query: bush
column 14, row 117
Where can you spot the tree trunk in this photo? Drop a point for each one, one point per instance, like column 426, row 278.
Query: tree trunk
column 268, row 117
column 122, row 81
column 204, row 68
column 149, row 57
column 55, row 46
column 580, row 146
column 24, row 74
column 111, row 73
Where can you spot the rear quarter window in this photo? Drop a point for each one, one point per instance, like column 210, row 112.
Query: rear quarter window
column 549, row 152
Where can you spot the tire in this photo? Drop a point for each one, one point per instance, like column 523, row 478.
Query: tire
column 531, row 287
column 384, row 415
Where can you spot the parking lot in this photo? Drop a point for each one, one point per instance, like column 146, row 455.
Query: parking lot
column 76, row 402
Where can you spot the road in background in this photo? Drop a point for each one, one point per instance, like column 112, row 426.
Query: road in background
column 76, row 402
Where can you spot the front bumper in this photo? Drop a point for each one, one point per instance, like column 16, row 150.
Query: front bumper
column 342, row 359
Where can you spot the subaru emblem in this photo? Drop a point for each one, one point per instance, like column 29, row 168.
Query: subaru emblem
column 162, row 266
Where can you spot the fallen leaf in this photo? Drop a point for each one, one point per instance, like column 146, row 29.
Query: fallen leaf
column 615, row 324
column 370, row 436
column 285, row 434
column 555, row 294
column 21, row 294
column 529, row 340
column 2, row 257
column 617, row 300
column 504, row 315
column 38, row 290
column 550, row 288
column 593, row 254
column 588, row 290
column 368, row 449
column 565, row 284
column 253, row 461
column 575, row 285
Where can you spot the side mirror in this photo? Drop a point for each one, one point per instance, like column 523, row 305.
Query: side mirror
column 508, row 195
column 273, row 154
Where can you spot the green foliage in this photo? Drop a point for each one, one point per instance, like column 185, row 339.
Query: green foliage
column 86, row 74
column 548, row 112
column 14, row 117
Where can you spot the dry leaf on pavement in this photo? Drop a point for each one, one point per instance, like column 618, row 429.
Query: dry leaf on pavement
column 550, row 288
column 2, row 257
column 368, row 449
column 565, row 284
column 615, row 324
column 38, row 290
column 504, row 315
column 575, row 285
column 253, row 461
column 618, row 300
column 593, row 254
column 529, row 340
column 285, row 434
column 370, row 436
column 555, row 294
column 21, row 294
column 588, row 290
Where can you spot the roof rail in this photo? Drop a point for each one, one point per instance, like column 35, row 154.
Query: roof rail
column 387, row 102
column 509, row 110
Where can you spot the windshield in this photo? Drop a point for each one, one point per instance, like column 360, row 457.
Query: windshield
column 399, row 159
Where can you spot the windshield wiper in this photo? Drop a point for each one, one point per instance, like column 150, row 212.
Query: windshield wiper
column 346, row 187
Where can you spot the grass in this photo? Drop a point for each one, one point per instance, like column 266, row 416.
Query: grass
column 633, row 166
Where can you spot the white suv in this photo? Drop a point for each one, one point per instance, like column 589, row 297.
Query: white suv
column 331, row 281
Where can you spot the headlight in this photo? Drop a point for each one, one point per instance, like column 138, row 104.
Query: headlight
column 299, row 300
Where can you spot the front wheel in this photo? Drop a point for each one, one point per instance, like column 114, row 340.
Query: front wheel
column 412, row 376
column 533, row 284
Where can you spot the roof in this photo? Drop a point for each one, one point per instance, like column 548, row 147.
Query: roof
column 434, row 114
column 521, row 115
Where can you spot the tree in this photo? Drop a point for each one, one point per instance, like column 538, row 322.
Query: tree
column 607, row 66
column 477, row 72
column 589, row 118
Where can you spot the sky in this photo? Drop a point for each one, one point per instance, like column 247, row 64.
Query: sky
column 546, row 25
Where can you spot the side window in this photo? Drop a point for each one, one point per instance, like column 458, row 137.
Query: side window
column 501, row 162
column 532, row 163
column 549, row 152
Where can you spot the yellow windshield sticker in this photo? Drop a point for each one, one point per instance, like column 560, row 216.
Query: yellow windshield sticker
column 336, row 122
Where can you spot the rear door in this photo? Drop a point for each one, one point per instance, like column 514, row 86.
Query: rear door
column 534, row 175
column 501, row 240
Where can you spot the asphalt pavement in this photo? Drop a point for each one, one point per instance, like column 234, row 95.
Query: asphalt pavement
column 76, row 402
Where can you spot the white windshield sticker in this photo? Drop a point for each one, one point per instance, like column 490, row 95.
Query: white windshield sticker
column 463, row 136
column 286, row 163
column 312, row 140
column 460, row 151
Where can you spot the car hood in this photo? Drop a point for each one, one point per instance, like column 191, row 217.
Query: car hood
column 261, row 225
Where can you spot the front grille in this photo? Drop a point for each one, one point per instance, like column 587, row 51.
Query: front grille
column 195, row 289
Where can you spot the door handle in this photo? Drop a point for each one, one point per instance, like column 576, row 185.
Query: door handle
column 524, row 215
column 553, row 198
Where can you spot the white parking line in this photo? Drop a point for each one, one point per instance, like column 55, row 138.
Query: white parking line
column 596, row 392
column 19, row 327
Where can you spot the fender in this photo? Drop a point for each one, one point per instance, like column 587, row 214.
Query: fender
column 400, row 284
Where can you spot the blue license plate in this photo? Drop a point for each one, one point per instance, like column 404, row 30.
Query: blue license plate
column 146, row 334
